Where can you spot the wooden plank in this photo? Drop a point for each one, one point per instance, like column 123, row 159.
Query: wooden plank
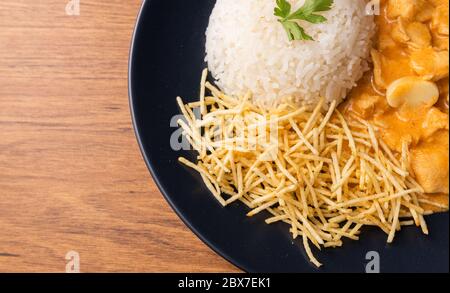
column 71, row 174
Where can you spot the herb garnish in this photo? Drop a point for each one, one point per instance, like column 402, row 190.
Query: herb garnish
column 306, row 13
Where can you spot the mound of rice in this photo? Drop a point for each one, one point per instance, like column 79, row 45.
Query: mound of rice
column 248, row 49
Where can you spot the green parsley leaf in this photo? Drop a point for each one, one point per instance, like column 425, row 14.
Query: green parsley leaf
column 315, row 18
column 283, row 9
column 305, row 13
column 295, row 31
column 312, row 6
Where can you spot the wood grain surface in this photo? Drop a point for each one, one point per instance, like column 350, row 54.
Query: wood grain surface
column 71, row 174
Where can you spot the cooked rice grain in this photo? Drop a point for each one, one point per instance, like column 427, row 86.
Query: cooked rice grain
column 248, row 49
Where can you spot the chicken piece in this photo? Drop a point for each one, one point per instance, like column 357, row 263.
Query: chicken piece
column 405, row 8
column 435, row 120
column 440, row 19
column 430, row 64
column 377, row 60
column 390, row 66
column 426, row 13
column 386, row 41
column 399, row 33
column 365, row 105
column 440, row 42
column 436, row 3
column 418, row 34
column 430, row 163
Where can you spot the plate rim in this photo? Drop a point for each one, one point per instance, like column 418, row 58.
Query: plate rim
column 150, row 168
column 132, row 97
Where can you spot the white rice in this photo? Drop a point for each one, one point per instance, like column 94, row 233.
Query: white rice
column 248, row 49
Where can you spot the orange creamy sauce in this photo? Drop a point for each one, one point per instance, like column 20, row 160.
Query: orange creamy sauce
column 412, row 40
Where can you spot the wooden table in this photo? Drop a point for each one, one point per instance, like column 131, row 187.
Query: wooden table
column 71, row 174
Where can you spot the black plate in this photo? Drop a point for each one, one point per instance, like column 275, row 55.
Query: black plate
column 167, row 57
